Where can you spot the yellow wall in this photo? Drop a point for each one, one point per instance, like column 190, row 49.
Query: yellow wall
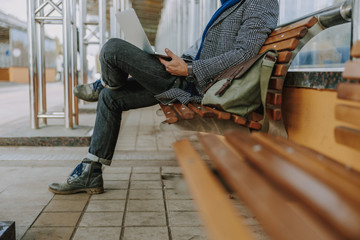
column 21, row 74
column 310, row 119
column 4, row 74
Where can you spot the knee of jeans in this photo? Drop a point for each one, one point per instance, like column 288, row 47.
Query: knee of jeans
column 112, row 101
column 111, row 46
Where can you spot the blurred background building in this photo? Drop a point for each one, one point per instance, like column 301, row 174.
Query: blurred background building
column 14, row 45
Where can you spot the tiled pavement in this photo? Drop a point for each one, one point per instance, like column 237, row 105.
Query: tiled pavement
column 144, row 197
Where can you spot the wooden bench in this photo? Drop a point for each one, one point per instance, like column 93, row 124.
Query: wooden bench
column 295, row 192
column 287, row 40
column 349, row 113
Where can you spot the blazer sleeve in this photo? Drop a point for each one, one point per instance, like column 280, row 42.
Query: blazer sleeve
column 259, row 19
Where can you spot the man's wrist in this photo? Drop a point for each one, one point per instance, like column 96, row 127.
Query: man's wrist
column 190, row 70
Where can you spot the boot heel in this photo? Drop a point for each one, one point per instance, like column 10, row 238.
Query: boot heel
column 95, row 190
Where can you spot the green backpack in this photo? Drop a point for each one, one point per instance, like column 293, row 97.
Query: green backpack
column 242, row 88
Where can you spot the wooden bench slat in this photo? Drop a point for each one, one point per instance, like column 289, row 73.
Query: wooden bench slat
column 331, row 165
column 274, row 98
column 293, row 33
column 183, row 111
column 309, row 22
column 286, row 45
column 355, row 50
column 349, row 114
column 201, row 110
column 244, row 122
column 254, row 125
column 340, row 182
column 239, row 120
column 218, row 213
column 276, row 83
column 352, row 70
column 261, row 196
column 254, row 116
column 349, row 91
column 284, row 57
column 280, row 70
column 273, row 113
column 348, row 136
column 170, row 114
column 301, row 184
column 220, row 114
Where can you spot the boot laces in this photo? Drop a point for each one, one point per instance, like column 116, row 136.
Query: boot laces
column 77, row 171
column 97, row 85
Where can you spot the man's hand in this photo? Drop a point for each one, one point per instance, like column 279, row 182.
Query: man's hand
column 176, row 66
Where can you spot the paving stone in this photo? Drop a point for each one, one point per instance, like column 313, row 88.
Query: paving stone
column 21, row 216
column 175, row 194
column 78, row 197
column 116, row 170
column 146, row 194
column 46, row 233
column 20, row 231
column 101, row 219
column 110, row 195
column 66, row 206
column 55, row 219
column 171, row 171
column 184, row 219
column 145, row 219
column 148, row 233
column 145, row 177
column 186, row 233
column 109, row 185
column 181, row 205
column 146, row 170
column 97, row 233
column 146, row 185
column 116, row 176
column 146, row 205
column 106, row 206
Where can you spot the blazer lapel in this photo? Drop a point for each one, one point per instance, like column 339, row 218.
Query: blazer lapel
column 226, row 13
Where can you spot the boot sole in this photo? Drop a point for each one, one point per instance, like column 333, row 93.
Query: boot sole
column 98, row 190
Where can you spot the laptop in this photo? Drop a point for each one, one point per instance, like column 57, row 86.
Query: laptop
column 134, row 32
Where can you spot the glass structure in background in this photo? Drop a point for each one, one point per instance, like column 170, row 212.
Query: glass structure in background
column 329, row 50
column 15, row 46
column 182, row 23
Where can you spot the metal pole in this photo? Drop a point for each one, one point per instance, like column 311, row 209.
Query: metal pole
column 75, row 74
column 33, row 88
column 67, row 64
column 102, row 21
column 356, row 21
column 115, row 27
column 41, row 63
column 82, row 46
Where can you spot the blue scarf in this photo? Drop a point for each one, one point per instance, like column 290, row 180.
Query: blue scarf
column 225, row 5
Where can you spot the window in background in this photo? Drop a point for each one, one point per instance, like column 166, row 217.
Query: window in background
column 329, row 50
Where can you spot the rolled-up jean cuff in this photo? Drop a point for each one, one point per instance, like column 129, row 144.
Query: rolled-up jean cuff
column 95, row 158
column 105, row 161
column 107, row 86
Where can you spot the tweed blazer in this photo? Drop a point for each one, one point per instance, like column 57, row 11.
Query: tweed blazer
column 236, row 36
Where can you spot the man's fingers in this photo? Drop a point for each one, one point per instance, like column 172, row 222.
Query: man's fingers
column 170, row 53
column 163, row 62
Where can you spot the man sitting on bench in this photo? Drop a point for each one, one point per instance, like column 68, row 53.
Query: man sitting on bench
column 235, row 33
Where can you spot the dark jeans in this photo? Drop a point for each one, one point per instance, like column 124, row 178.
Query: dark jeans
column 118, row 60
